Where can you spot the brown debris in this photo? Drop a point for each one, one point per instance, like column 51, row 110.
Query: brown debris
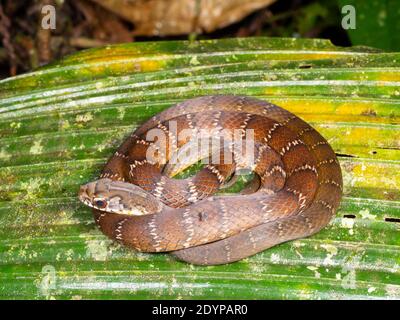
column 176, row 17
column 254, row 28
column 5, row 26
column 106, row 27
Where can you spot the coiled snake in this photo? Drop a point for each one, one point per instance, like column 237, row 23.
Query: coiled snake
column 297, row 192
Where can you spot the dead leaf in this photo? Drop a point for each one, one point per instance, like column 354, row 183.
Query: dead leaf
column 175, row 17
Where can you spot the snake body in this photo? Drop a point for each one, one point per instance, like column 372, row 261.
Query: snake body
column 298, row 190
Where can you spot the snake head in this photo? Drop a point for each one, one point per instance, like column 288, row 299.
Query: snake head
column 118, row 197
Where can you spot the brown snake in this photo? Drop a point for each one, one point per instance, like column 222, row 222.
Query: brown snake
column 297, row 192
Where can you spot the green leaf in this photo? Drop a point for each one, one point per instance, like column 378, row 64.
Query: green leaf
column 59, row 124
column 377, row 23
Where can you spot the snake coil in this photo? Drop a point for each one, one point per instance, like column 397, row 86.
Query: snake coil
column 297, row 192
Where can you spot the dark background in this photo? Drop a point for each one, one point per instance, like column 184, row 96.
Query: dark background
column 82, row 24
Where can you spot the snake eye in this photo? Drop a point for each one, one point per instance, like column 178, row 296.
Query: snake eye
column 100, row 203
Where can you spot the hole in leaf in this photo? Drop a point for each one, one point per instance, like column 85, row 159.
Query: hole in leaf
column 393, row 220
column 351, row 216
column 305, row 66
column 345, row 155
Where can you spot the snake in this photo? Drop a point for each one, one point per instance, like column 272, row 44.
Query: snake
column 296, row 190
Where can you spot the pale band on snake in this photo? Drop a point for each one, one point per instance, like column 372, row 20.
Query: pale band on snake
column 296, row 192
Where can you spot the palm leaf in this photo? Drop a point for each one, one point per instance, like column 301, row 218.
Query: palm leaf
column 59, row 124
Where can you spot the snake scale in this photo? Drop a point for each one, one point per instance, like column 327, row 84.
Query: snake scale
column 296, row 192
